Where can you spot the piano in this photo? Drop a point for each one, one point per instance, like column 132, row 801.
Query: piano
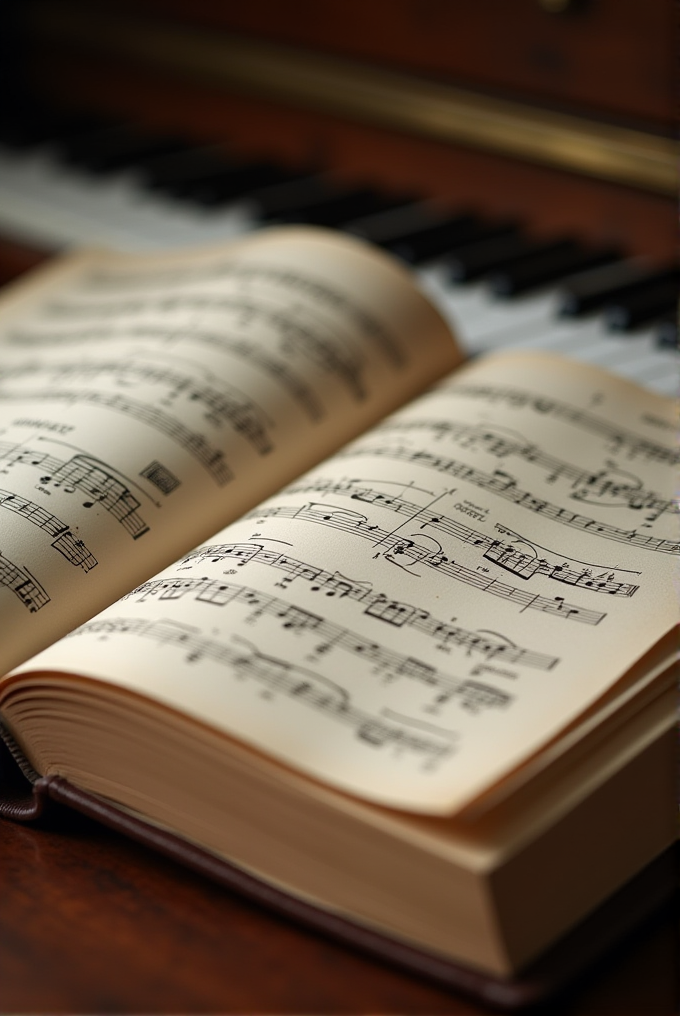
column 519, row 154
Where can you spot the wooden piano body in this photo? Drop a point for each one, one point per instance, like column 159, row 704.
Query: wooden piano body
column 564, row 120
column 559, row 115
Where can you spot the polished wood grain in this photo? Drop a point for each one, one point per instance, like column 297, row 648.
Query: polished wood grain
column 93, row 923
column 547, row 201
column 606, row 57
column 16, row 258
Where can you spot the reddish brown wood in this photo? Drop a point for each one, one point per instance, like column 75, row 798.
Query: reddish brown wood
column 17, row 258
column 90, row 922
column 548, row 200
column 93, row 923
column 612, row 57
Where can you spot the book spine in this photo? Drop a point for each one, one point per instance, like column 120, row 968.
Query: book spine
column 23, row 793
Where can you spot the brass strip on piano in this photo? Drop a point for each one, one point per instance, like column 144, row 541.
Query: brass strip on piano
column 397, row 100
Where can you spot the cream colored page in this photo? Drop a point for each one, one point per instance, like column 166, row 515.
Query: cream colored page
column 421, row 614
column 146, row 402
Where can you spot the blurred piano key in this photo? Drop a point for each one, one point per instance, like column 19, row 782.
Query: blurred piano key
column 431, row 241
column 643, row 305
column 73, row 181
column 666, row 330
column 590, row 290
column 266, row 203
column 547, row 263
column 111, row 149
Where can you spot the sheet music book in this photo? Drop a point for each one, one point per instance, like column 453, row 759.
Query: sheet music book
column 287, row 586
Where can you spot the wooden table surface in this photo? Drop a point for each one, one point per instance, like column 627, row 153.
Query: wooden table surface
column 93, row 923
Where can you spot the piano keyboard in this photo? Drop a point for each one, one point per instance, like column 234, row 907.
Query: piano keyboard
column 64, row 184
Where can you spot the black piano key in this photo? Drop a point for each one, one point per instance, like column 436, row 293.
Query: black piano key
column 666, row 331
column 236, row 182
column 266, row 203
column 115, row 148
column 31, row 126
column 344, row 207
column 590, row 291
column 481, row 257
column 393, row 223
column 642, row 306
column 170, row 173
column 425, row 244
column 487, row 232
column 550, row 262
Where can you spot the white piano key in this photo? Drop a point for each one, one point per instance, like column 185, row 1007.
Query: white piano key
column 113, row 210
column 482, row 322
column 635, row 356
column 50, row 226
column 52, row 206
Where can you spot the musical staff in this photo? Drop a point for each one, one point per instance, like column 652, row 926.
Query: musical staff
column 212, row 459
column 276, row 367
column 618, row 437
column 86, row 474
column 317, row 293
column 226, row 404
column 327, row 636
column 604, row 487
column 523, row 565
column 73, row 549
column 24, row 585
column 504, row 485
column 376, row 605
column 294, row 337
column 395, row 547
column 506, row 555
column 24, row 337
column 300, row 684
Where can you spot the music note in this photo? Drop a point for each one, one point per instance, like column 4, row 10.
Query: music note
column 24, row 585
column 68, row 545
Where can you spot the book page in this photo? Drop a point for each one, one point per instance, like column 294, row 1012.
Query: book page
column 418, row 616
column 146, row 402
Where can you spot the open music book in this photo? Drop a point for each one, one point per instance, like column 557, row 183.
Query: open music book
column 414, row 671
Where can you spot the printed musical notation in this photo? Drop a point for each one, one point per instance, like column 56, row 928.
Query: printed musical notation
column 287, row 283
column 295, row 336
column 377, row 605
column 279, row 677
column 276, row 367
column 294, row 283
column 605, row 487
column 225, row 404
column 505, row 485
column 506, row 555
column 24, row 585
column 298, row 328
column 86, row 474
column 212, row 459
column 328, row 637
column 395, row 547
column 618, row 437
column 73, row 549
